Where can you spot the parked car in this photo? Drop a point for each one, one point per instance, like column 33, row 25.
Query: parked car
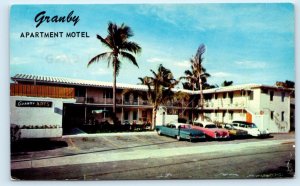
column 211, row 130
column 180, row 131
column 251, row 128
column 234, row 132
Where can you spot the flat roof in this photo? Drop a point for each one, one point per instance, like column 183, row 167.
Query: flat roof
column 94, row 83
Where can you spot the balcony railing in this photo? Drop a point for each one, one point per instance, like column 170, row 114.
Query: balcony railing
column 215, row 104
column 110, row 101
column 225, row 104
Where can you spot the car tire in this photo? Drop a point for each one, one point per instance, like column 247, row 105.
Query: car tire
column 178, row 138
column 159, row 132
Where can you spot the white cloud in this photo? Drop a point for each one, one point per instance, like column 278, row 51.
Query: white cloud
column 19, row 61
column 221, row 74
column 100, row 71
column 155, row 60
column 62, row 58
column 251, row 64
column 185, row 64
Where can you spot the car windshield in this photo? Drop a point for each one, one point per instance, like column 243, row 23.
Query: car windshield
column 228, row 126
column 210, row 126
column 242, row 125
column 252, row 125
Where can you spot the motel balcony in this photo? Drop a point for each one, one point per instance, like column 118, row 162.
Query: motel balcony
column 224, row 104
column 109, row 101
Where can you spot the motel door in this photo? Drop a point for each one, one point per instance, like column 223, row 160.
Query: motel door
column 249, row 117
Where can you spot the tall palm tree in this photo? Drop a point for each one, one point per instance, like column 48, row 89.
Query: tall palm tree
column 119, row 45
column 159, row 88
column 226, row 83
column 197, row 76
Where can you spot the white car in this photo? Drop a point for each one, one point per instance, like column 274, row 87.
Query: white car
column 251, row 128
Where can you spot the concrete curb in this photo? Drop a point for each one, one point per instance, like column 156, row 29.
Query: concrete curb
column 110, row 134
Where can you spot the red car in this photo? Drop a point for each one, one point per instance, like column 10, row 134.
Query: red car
column 211, row 130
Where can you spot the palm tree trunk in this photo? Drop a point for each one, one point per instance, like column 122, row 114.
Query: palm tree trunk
column 154, row 110
column 201, row 100
column 114, row 88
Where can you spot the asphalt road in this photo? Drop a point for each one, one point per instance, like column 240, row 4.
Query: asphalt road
column 155, row 157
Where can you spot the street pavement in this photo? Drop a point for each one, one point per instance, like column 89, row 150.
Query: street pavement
column 150, row 156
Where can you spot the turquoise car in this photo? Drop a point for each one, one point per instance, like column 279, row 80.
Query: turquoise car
column 180, row 131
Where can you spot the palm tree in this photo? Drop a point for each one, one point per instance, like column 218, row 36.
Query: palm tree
column 119, row 45
column 226, row 83
column 159, row 89
column 197, row 76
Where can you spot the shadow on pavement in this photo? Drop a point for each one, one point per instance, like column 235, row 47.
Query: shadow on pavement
column 29, row 145
column 287, row 171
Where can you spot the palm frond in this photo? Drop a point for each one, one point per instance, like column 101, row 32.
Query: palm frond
column 130, row 57
column 131, row 47
column 125, row 31
column 105, row 42
column 98, row 57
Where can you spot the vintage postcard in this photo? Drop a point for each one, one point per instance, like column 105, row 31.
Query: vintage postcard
column 152, row 91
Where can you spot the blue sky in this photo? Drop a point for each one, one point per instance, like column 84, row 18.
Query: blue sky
column 245, row 43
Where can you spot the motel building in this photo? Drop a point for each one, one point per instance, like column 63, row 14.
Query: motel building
column 45, row 107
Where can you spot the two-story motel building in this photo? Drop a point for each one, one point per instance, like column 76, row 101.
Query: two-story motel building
column 54, row 105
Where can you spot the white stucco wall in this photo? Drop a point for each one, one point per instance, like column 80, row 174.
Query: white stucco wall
column 260, row 107
column 164, row 118
column 277, row 106
column 36, row 117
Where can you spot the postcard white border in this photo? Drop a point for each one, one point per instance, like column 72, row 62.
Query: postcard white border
column 4, row 96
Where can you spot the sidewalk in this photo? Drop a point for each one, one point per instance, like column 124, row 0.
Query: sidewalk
column 110, row 134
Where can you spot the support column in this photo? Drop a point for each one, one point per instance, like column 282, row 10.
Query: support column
column 138, row 113
column 85, row 102
column 122, row 115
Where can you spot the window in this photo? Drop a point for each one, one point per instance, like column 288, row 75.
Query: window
column 250, row 95
column 216, row 114
column 216, row 96
column 134, row 117
column 126, row 115
column 282, row 96
column 264, row 91
column 224, row 95
column 231, row 115
column 243, row 93
column 231, row 97
column 80, row 91
column 282, row 116
column 208, row 114
column 272, row 115
column 135, row 100
column 126, row 97
column 144, row 114
column 224, row 113
column 271, row 95
column 108, row 94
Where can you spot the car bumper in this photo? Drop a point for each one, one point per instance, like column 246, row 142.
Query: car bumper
column 222, row 137
column 197, row 137
column 264, row 134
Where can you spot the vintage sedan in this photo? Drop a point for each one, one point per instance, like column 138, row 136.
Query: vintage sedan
column 235, row 133
column 251, row 128
column 211, row 130
column 180, row 131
